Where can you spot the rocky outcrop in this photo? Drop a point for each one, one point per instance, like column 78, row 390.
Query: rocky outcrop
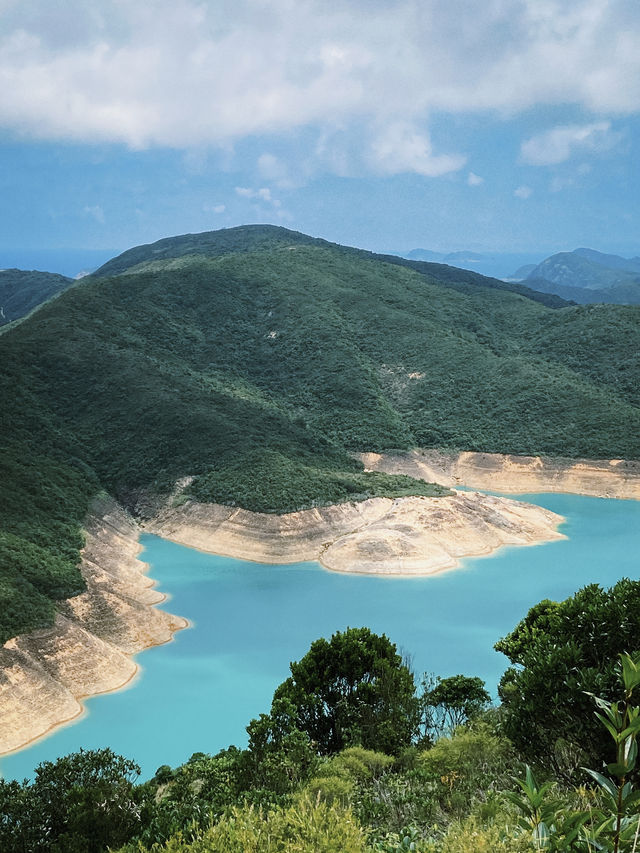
column 412, row 535
column 608, row 478
column 419, row 536
column 264, row 538
column 45, row 674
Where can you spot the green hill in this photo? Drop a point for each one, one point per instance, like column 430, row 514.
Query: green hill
column 259, row 360
column 251, row 238
column 23, row 290
column 586, row 276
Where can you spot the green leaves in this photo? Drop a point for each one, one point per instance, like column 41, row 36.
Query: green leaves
column 452, row 702
column 622, row 721
column 353, row 690
column 606, row 784
column 630, row 665
column 567, row 654
column 611, row 825
column 537, row 814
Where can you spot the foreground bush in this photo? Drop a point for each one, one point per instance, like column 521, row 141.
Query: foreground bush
column 471, row 836
column 564, row 651
column 305, row 827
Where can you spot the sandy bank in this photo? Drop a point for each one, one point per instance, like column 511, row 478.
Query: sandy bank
column 607, row 478
column 409, row 536
column 45, row 674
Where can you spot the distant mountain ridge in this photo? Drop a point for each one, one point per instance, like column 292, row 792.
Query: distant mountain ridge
column 610, row 261
column 587, row 276
column 443, row 257
column 252, row 238
column 23, row 290
column 496, row 264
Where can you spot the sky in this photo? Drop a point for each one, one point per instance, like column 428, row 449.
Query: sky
column 506, row 126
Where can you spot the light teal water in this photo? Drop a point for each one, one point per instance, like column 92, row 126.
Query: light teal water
column 199, row 692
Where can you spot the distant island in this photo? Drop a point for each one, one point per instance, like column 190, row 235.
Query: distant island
column 586, row 277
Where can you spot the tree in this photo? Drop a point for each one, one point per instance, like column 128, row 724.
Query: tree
column 280, row 756
column 562, row 651
column 454, row 701
column 20, row 819
column 87, row 801
column 612, row 822
column 353, row 690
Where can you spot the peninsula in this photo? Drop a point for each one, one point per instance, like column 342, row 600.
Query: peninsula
column 400, row 536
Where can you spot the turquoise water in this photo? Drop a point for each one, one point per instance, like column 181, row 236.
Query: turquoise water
column 199, row 692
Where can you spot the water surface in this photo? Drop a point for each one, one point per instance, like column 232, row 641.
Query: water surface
column 249, row 620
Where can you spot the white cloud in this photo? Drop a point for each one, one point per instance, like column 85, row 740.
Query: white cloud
column 263, row 199
column 560, row 143
column 214, row 208
column 402, row 148
column 271, row 167
column 264, row 194
column 523, row 192
column 95, row 212
column 474, row 180
column 195, row 73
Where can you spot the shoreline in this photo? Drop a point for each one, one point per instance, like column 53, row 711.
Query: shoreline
column 83, row 711
column 455, row 565
column 99, row 632
column 46, row 675
column 410, row 536
column 511, row 474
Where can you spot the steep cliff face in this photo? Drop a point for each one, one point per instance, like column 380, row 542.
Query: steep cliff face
column 607, row 478
column 412, row 535
column 45, row 674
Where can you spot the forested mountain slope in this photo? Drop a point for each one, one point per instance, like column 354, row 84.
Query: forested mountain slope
column 251, row 238
column 23, row 290
column 259, row 360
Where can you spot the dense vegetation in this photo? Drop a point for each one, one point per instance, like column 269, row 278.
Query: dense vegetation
column 255, row 238
column 307, row 783
column 259, row 361
column 23, row 290
column 575, row 643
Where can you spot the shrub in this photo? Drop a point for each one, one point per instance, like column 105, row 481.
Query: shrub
column 305, row 827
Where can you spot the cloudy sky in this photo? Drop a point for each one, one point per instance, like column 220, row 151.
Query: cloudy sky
column 506, row 125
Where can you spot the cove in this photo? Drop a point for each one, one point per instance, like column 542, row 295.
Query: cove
column 197, row 693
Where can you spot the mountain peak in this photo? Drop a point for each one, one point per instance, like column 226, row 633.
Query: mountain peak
column 242, row 238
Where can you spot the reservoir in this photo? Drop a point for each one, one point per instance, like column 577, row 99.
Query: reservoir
column 197, row 693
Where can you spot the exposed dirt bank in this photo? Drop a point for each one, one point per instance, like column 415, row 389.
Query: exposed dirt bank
column 414, row 535
column 45, row 674
column 608, row 478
